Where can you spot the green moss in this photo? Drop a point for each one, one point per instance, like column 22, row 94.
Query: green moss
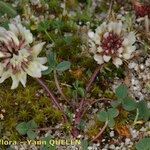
column 23, row 105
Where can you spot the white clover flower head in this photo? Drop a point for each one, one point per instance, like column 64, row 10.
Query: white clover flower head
column 17, row 57
column 111, row 42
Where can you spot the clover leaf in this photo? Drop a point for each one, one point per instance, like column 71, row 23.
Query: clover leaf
column 108, row 116
column 144, row 144
column 122, row 91
column 27, row 128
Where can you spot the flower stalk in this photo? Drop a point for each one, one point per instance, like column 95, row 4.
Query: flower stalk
column 53, row 98
column 58, row 86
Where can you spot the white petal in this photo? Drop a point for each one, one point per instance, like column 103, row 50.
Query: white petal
column 4, row 76
column 13, row 36
column 42, row 60
column 118, row 28
column 1, row 69
column 126, row 55
column 130, row 49
column 43, row 68
column 111, row 26
column 91, row 34
column 2, row 55
column 99, row 49
column 120, row 50
column 34, row 70
column 130, row 39
column 99, row 59
column 13, row 29
column 101, row 28
column 117, row 62
column 23, row 78
column 15, row 82
column 27, row 35
column 36, row 49
column 106, row 58
column 97, row 39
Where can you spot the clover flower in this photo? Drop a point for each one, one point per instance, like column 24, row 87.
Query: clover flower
column 17, row 57
column 111, row 42
column 141, row 9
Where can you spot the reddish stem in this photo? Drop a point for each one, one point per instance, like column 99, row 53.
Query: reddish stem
column 101, row 132
column 51, row 96
column 80, row 110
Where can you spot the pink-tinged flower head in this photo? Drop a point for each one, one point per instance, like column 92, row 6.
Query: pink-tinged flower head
column 17, row 57
column 141, row 9
column 111, row 42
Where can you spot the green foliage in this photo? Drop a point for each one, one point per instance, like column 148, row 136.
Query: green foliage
column 77, row 90
column 27, row 128
column 129, row 104
column 109, row 116
column 53, row 65
column 144, row 111
column 143, row 144
column 122, row 91
column 44, row 25
column 84, row 144
column 7, row 9
column 49, row 145
column 63, row 66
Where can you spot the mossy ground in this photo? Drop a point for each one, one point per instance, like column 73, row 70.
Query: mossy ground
column 69, row 35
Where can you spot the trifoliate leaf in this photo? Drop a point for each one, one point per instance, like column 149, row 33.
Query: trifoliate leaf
column 103, row 116
column 111, row 122
column 31, row 134
column 22, row 128
column 144, row 111
column 122, row 91
column 129, row 104
column 113, row 112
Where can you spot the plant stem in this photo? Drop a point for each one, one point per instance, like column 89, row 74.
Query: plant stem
column 101, row 132
column 49, row 36
column 147, row 24
column 79, row 112
column 58, row 86
column 93, row 78
column 136, row 117
column 50, row 95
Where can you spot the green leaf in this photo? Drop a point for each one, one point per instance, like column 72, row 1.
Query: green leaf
column 113, row 112
column 52, row 59
column 115, row 103
column 81, row 92
column 81, row 125
column 22, row 128
column 48, row 145
column 63, row 66
column 44, row 25
column 31, row 134
column 129, row 104
column 7, row 9
column 144, row 111
column 51, row 63
column 122, row 91
column 103, row 116
column 111, row 122
column 144, row 144
column 32, row 124
column 84, row 144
